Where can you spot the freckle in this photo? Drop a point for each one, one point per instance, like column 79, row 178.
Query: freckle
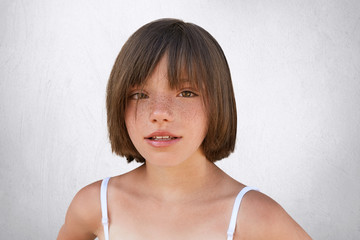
column 188, row 114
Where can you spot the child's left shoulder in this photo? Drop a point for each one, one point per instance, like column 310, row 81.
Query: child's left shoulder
column 263, row 218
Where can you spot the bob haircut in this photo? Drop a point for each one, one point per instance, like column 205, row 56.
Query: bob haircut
column 192, row 54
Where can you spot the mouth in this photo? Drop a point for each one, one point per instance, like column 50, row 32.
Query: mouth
column 162, row 138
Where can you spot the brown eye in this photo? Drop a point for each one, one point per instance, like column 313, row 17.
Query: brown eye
column 187, row 94
column 139, row 95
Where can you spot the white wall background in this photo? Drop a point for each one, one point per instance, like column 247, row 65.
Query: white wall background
column 296, row 73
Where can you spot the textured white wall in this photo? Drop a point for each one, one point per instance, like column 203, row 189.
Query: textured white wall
column 296, row 73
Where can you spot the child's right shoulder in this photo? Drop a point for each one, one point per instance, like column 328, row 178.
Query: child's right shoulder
column 86, row 202
column 83, row 217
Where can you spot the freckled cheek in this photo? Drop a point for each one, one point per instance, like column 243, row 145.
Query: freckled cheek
column 192, row 112
column 134, row 113
column 142, row 112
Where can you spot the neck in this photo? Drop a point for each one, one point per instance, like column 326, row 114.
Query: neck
column 184, row 182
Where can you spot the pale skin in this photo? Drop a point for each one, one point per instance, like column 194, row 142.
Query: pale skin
column 178, row 193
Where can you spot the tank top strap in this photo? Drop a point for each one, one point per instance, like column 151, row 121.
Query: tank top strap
column 104, row 208
column 235, row 211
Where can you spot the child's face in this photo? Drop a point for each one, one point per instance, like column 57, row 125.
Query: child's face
column 167, row 126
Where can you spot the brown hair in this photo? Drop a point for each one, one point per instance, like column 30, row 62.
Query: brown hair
column 191, row 51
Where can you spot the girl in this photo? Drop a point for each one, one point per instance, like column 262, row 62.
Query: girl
column 171, row 106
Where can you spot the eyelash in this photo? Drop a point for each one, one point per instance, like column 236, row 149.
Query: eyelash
column 138, row 96
column 192, row 94
column 141, row 95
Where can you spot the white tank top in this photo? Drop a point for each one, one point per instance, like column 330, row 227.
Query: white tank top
column 232, row 224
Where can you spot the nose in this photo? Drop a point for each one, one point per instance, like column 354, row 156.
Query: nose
column 161, row 110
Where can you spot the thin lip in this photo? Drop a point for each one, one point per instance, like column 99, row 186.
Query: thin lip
column 162, row 133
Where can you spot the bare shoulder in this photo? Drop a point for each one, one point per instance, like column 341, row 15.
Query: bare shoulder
column 262, row 218
column 83, row 217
